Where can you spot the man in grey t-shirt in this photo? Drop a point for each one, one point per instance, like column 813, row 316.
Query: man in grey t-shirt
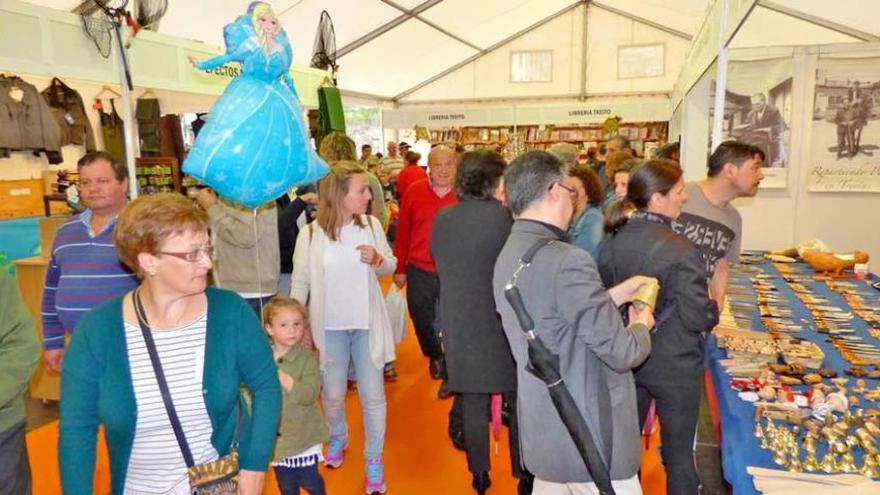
column 709, row 220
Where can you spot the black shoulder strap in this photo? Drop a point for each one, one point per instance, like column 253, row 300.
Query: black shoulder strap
column 166, row 393
column 160, row 378
column 532, row 251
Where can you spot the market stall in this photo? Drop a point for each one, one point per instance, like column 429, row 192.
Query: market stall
column 841, row 316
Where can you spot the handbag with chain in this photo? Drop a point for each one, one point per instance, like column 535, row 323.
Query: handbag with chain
column 218, row 477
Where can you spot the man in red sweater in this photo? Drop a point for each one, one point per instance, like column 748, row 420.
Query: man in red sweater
column 411, row 172
column 412, row 246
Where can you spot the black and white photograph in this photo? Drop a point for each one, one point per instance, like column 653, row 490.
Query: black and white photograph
column 757, row 110
column 846, row 130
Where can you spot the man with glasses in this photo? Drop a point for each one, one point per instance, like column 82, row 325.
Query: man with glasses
column 248, row 257
column 576, row 317
column 84, row 270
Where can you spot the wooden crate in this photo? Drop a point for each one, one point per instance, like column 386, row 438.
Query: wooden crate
column 21, row 198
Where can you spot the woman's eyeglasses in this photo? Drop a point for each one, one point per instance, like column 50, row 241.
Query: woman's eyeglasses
column 192, row 256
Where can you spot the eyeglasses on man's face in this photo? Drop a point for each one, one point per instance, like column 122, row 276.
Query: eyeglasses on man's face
column 571, row 191
column 192, row 256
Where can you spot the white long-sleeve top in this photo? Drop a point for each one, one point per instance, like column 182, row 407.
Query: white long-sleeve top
column 308, row 286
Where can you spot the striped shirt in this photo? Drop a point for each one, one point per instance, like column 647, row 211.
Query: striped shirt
column 156, row 465
column 84, row 271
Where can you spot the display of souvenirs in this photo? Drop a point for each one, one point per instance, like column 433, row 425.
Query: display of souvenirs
column 812, row 419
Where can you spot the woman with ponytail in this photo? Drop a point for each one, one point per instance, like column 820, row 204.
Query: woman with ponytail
column 672, row 376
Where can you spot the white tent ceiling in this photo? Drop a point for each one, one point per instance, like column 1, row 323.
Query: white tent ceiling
column 389, row 47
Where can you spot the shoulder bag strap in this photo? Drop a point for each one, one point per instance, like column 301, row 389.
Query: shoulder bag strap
column 160, row 378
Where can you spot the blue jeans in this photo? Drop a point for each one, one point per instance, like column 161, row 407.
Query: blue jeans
column 342, row 347
column 290, row 480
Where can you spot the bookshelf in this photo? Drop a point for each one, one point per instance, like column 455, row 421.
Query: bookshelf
column 642, row 135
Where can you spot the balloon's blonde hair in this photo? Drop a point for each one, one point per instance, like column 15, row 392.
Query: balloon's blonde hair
column 261, row 9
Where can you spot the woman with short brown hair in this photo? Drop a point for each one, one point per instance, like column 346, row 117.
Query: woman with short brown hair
column 171, row 337
column 586, row 221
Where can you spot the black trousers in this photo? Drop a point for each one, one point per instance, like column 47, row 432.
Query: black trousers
column 15, row 470
column 422, row 295
column 290, row 480
column 678, row 407
column 471, row 413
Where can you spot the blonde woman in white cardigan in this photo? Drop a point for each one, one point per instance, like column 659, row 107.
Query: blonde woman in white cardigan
column 336, row 265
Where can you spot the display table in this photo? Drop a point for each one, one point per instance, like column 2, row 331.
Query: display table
column 31, row 276
column 739, row 447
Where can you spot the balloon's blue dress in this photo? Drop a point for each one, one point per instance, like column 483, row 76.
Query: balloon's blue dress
column 255, row 145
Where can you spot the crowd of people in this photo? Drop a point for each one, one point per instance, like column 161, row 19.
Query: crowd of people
column 160, row 311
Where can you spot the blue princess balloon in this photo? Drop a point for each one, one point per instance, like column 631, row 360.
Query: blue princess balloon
column 255, row 145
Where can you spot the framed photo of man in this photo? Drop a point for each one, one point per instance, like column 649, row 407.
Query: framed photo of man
column 846, row 130
column 757, row 110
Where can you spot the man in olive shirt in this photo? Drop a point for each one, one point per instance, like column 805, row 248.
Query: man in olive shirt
column 710, row 221
column 19, row 355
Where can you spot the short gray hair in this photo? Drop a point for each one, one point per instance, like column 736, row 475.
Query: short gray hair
column 567, row 153
column 528, row 178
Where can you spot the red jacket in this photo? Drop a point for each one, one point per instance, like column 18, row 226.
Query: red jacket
column 409, row 176
column 412, row 243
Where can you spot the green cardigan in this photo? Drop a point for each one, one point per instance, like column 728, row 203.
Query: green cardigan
column 302, row 425
column 96, row 389
column 19, row 352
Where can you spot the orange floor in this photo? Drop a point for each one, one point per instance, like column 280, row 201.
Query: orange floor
column 419, row 458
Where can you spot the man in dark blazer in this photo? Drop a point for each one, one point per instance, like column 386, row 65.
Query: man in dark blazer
column 577, row 319
column 465, row 242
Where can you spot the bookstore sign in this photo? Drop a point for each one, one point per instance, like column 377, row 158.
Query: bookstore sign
column 434, row 119
column 579, row 113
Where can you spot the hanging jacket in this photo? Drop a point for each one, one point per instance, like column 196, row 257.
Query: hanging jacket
column 171, row 137
column 113, row 131
column 67, row 107
column 148, row 116
column 26, row 125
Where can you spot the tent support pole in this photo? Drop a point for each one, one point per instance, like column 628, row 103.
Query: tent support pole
column 384, row 28
column 584, row 51
column 128, row 125
column 818, row 21
column 642, row 20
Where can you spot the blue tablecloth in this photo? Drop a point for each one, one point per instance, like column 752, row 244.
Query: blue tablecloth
column 739, row 447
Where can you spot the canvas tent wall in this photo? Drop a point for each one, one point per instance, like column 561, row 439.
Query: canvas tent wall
column 802, row 33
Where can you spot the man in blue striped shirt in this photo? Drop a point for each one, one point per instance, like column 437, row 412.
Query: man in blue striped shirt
column 84, row 270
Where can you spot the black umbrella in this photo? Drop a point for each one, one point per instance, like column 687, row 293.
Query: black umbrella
column 545, row 366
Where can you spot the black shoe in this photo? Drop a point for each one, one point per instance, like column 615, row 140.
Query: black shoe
column 457, row 438
column 481, row 482
column 525, row 484
column 444, row 392
column 390, row 373
column 505, row 413
column 435, row 367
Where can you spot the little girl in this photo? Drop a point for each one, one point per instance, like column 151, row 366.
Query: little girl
column 302, row 430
